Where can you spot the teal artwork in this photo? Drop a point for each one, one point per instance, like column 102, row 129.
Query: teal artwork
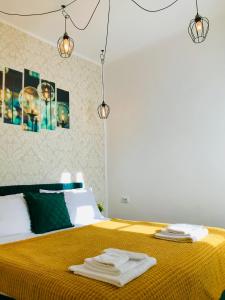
column 63, row 111
column 32, row 102
column 48, row 105
column 12, row 105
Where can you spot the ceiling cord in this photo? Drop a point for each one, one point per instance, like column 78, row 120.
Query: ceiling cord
column 156, row 10
column 37, row 14
column 107, row 30
column 197, row 6
column 89, row 21
column 32, row 14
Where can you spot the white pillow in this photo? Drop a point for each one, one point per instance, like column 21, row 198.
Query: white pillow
column 81, row 206
column 14, row 216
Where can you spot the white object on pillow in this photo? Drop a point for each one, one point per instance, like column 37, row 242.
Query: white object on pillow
column 62, row 191
column 82, row 206
column 14, row 216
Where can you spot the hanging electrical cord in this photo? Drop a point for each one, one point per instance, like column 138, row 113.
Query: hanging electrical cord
column 89, row 21
column 44, row 13
column 37, row 14
column 196, row 3
column 107, row 30
column 31, row 14
column 156, row 10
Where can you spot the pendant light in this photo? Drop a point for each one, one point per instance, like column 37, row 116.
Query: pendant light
column 103, row 109
column 198, row 28
column 65, row 43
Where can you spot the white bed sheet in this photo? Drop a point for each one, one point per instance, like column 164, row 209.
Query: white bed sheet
column 24, row 236
column 16, row 237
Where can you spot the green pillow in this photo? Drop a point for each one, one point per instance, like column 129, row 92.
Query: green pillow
column 48, row 212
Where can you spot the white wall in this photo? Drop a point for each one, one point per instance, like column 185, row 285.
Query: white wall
column 60, row 155
column 166, row 132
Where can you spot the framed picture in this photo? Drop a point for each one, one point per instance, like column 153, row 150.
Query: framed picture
column 31, row 101
column 12, row 92
column 63, row 110
column 48, row 105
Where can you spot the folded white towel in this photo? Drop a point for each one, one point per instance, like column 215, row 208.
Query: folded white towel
column 130, row 254
column 177, row 237
column 184, row 228
column 93, row 265
column 119, row 280
column 111, row 259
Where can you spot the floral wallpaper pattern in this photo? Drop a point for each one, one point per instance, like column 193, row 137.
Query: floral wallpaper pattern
column 48, row 157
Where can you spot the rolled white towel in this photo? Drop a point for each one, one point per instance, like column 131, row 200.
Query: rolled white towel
column 184, row 228
column 130, row 254
column 119, row 280
column 107, row 269
column 111, row 259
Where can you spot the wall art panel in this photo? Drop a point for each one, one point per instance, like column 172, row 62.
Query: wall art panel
column 48, row 104
column 12, row 92
column 31, row 101
column 63, row 110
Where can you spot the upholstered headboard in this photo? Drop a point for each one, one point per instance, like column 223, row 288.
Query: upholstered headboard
column 17, row 189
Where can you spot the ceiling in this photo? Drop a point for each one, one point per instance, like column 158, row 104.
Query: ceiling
column 130, row 27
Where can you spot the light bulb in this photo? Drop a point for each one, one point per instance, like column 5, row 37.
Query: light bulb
column 10, row 114
column 103, row 113
column 199, row 26
column 46, row 94
column 66, row 44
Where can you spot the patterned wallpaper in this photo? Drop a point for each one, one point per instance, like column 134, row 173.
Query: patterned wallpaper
column 46, row 157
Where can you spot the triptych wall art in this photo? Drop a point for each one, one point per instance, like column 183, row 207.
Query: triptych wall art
column 33, row 102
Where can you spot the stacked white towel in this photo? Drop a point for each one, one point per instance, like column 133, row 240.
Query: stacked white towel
column 183, row 233
column 115, row 266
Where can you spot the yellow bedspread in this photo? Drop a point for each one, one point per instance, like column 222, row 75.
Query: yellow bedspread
column 36, row 269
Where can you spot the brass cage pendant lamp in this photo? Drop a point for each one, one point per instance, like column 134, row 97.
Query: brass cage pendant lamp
column 198, row 28
column 65, row 43
column 103, row 109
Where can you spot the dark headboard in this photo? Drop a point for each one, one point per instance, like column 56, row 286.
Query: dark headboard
column 17, row 189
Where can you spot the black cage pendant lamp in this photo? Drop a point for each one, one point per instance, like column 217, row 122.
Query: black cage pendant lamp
column 65, row 43
column 103, row 109
column 198, row 28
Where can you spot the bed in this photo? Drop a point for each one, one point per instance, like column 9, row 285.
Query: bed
column 37, row 268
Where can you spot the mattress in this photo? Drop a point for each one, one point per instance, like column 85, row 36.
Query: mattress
column 184, row 271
